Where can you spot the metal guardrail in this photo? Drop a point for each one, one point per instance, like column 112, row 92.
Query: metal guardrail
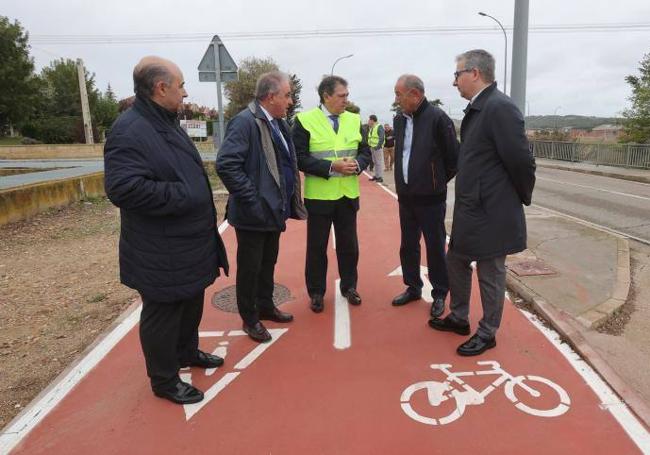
column 622, row 155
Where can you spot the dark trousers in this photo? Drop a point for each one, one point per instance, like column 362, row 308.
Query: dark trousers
column 428, row 220
column 492, row 284
column 257, row 253
column 343, row 215
column 169, row 335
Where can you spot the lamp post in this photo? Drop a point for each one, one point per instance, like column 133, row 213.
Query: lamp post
column 505, row 61
column 337, row 60
column 555, row 115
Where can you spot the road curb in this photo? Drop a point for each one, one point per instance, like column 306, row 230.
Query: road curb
column 571, row 331
column 634, row 178
column 595, row 316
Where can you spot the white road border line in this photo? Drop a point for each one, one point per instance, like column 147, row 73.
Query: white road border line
column 618, row 193
column 609, row 400
column 592, row 225
column 37, row 411
column 342, row 332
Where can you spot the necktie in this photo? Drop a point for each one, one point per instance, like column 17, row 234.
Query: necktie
column 277, row 135
column 335, row 122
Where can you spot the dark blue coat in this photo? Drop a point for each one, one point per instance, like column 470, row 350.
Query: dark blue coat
column 169, row 245
column 496, row 175
column 248, row 163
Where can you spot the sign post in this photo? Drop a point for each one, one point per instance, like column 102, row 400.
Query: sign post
column 218, row 66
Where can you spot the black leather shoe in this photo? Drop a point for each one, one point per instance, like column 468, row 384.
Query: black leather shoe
column 257, row 332
column 372, row 179
column 448, row 325
column 379, row 180
column 406, row 297
column 204, row 360
column 476, row 345
column 276, row 316
column 316, row 304
column 181, row 393
column 353, row 296
column 437, row 307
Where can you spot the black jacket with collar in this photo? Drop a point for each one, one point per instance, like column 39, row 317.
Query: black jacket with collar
column 433, row 158
column 249, row 165
column 169, row 245
column 496, row 175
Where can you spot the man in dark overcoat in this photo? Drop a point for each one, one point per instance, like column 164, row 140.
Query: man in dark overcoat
column 257, row 164
column 170, row 250
column 496, row 175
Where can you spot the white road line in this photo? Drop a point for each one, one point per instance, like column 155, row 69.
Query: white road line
column 38, row 410
column 333, row 237
column 259, row 349
column 610, row 401
column 342, row 332
column 619, row 193
column 208, row 395
column 592, row 225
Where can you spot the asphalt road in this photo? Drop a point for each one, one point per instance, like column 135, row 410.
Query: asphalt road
column 619, row 205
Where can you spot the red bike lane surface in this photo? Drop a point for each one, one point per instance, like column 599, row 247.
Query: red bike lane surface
column 376, row 393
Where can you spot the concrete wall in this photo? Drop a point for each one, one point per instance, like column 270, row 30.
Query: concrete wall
column 25, row 201
column 51, row 151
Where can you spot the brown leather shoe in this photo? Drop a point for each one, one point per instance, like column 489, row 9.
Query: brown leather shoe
column 316, row 304
column 257, row 332
column 276, row 316
column 353, row 296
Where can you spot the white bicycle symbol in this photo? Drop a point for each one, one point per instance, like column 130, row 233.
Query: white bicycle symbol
column 455, row 388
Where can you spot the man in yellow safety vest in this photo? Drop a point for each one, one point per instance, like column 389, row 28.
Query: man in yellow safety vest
column 332, row 153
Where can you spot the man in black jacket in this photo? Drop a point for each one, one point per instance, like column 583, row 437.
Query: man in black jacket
column 426, row 151
column 496, row 175
column 170, row 250
column 257, row 164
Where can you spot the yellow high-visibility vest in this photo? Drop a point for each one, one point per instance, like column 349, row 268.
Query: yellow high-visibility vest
column 325, row 144
column 373, row 137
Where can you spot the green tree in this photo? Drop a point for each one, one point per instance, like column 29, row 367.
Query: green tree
column 351, row 107
column 106, row 110
column 18, row 83
column 296, row 88
column 637, row 118
column 242, row 91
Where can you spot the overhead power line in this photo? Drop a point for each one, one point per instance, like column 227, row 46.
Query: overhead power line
column 332, row 33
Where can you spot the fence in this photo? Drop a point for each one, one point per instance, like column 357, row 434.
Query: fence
column 622, row 155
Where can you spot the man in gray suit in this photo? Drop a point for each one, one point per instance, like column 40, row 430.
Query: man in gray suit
column 496, row 175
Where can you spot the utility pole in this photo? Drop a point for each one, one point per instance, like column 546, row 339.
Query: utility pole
column 85, row 109
column 519, row 55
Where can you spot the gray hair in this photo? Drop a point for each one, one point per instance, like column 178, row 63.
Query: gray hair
column 481, row 60
column 269, row 84
column 146, row 76
column 411, row 81
column 328, row 85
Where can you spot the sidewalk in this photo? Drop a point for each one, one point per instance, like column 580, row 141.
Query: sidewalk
column 576, row 277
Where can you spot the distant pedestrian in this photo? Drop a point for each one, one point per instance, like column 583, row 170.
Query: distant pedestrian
column 257, row 164
column 496, row 175
column 426, row 151
column 389, row 148
column 376, row 144
column 170, row 250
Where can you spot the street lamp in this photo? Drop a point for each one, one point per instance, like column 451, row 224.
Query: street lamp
column 337, row 60
column 555, row 115
column 505, row 62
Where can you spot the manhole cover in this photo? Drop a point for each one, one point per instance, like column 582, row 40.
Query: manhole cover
column 531, row 268
column 226, row 299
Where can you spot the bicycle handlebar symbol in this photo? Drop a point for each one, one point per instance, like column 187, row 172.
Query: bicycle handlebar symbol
column 455, row 388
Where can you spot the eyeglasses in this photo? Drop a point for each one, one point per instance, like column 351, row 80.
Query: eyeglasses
column 458, row 73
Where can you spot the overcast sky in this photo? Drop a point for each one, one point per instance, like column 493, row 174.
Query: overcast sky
column 575, row 72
